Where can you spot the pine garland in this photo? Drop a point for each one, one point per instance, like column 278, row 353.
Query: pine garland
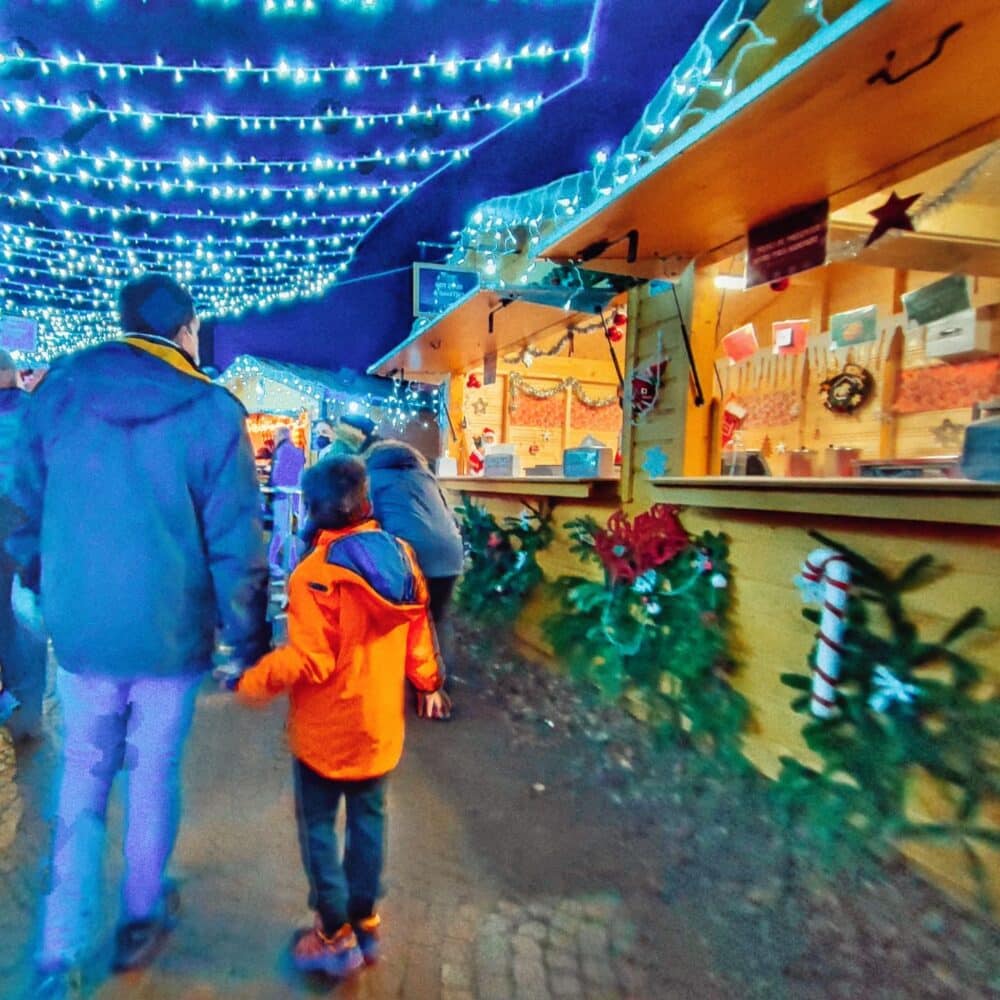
column 654, row 629
column 501, row 567
column 904, row 704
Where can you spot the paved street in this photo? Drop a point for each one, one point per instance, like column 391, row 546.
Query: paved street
column 496, row 888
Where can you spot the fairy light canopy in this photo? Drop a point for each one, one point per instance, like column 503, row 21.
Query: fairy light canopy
column 272, row 152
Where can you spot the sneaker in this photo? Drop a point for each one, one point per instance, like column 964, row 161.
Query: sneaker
column 336, row 956
column 367, row 933
column 56, row 983
column 138, row 942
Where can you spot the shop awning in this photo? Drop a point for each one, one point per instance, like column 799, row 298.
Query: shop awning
column 877, row 96
column 486, row 321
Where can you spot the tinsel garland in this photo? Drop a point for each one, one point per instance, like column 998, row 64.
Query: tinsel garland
column 519, row 385
column 852, row 247
column 528, row 354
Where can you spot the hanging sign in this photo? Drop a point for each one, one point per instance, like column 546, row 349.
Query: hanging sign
column 18, row 333
column 795, row 242
column 789, row 336
column 436, row 288
column 936, row 301
column 858, row 326
column 741, row 343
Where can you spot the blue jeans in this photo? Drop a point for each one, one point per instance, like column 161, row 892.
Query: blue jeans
column 282, row 553
column 340, row 892
column 109, row 724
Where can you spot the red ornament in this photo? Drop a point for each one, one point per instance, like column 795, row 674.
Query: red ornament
column 615, row 334
column 476, row 463
column 619, row 319
column 472, row 382
column 780, row 285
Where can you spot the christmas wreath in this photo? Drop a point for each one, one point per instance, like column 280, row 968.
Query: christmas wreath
column 501, row 568
column 848, row 390
column 653, row 628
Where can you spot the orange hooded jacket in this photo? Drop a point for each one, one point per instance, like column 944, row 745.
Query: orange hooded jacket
column 357, row 625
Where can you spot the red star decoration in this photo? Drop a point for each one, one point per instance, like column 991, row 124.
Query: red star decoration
column 892, row 215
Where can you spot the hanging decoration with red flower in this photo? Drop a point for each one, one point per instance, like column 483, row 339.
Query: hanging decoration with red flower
column 472, row 382
column 628, row 548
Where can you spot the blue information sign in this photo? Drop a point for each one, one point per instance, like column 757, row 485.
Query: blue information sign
column 437, row 288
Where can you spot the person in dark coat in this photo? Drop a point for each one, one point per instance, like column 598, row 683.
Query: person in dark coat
column 409, row 504
column 141, row 530
column 287, row 463
column 22, row 652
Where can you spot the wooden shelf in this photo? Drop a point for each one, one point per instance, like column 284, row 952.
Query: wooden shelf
column 937, row 501
column 808, row 130
column 534, row 486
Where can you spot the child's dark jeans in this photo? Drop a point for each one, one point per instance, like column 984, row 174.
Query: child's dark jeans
column 340, row 893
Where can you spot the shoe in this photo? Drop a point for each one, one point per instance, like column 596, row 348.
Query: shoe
column 138, row 942
column 336, row 956
column 56, row 983
column 367, row 933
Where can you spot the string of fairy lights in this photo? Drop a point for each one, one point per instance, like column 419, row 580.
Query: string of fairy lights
column 403, row 402
column 720, row 66
column 241, row 226
column 88, row 107
column 283, row 71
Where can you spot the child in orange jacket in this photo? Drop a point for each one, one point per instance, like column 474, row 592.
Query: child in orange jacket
column 357, row 628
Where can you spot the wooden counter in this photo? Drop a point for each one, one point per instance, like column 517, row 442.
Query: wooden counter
column 552, row 487
column 940, row 501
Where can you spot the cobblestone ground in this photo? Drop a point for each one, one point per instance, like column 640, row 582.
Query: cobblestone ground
column 502, row 883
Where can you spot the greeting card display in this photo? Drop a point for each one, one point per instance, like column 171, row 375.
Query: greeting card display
column 741, row 343
column 789, row 336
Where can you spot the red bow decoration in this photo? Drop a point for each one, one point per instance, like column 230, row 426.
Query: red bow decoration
column 627, row 549
column 472, row 382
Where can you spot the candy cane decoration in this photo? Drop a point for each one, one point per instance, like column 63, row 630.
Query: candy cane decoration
column 826, row 575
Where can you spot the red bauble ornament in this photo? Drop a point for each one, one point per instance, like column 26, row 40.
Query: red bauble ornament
column 615, row 334
column 780, row 285
column 620, row 318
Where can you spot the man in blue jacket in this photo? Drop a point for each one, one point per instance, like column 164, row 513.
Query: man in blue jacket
column 141, row 529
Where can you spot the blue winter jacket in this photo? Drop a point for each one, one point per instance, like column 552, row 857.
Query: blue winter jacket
column 140, row 500
column 408, row 503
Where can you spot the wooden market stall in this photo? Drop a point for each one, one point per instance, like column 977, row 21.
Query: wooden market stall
column 838, row 382
column 298, row 396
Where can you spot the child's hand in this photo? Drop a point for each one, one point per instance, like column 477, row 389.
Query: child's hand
column 435, row 705
column 227, row 675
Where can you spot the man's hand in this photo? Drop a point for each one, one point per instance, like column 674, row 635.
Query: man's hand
column 435, row 705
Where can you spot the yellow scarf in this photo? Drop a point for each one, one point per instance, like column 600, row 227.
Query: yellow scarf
column 173, row 356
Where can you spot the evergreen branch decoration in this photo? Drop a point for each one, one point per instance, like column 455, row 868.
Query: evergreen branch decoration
column 501, row 567
column 904, row 705
column 654, row 629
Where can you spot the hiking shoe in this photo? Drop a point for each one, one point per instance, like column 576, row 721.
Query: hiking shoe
column 367, row 933
column 336, row 956
column 138, row 942
column 60, row 982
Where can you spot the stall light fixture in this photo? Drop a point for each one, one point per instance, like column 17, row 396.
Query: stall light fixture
column 731, row 282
